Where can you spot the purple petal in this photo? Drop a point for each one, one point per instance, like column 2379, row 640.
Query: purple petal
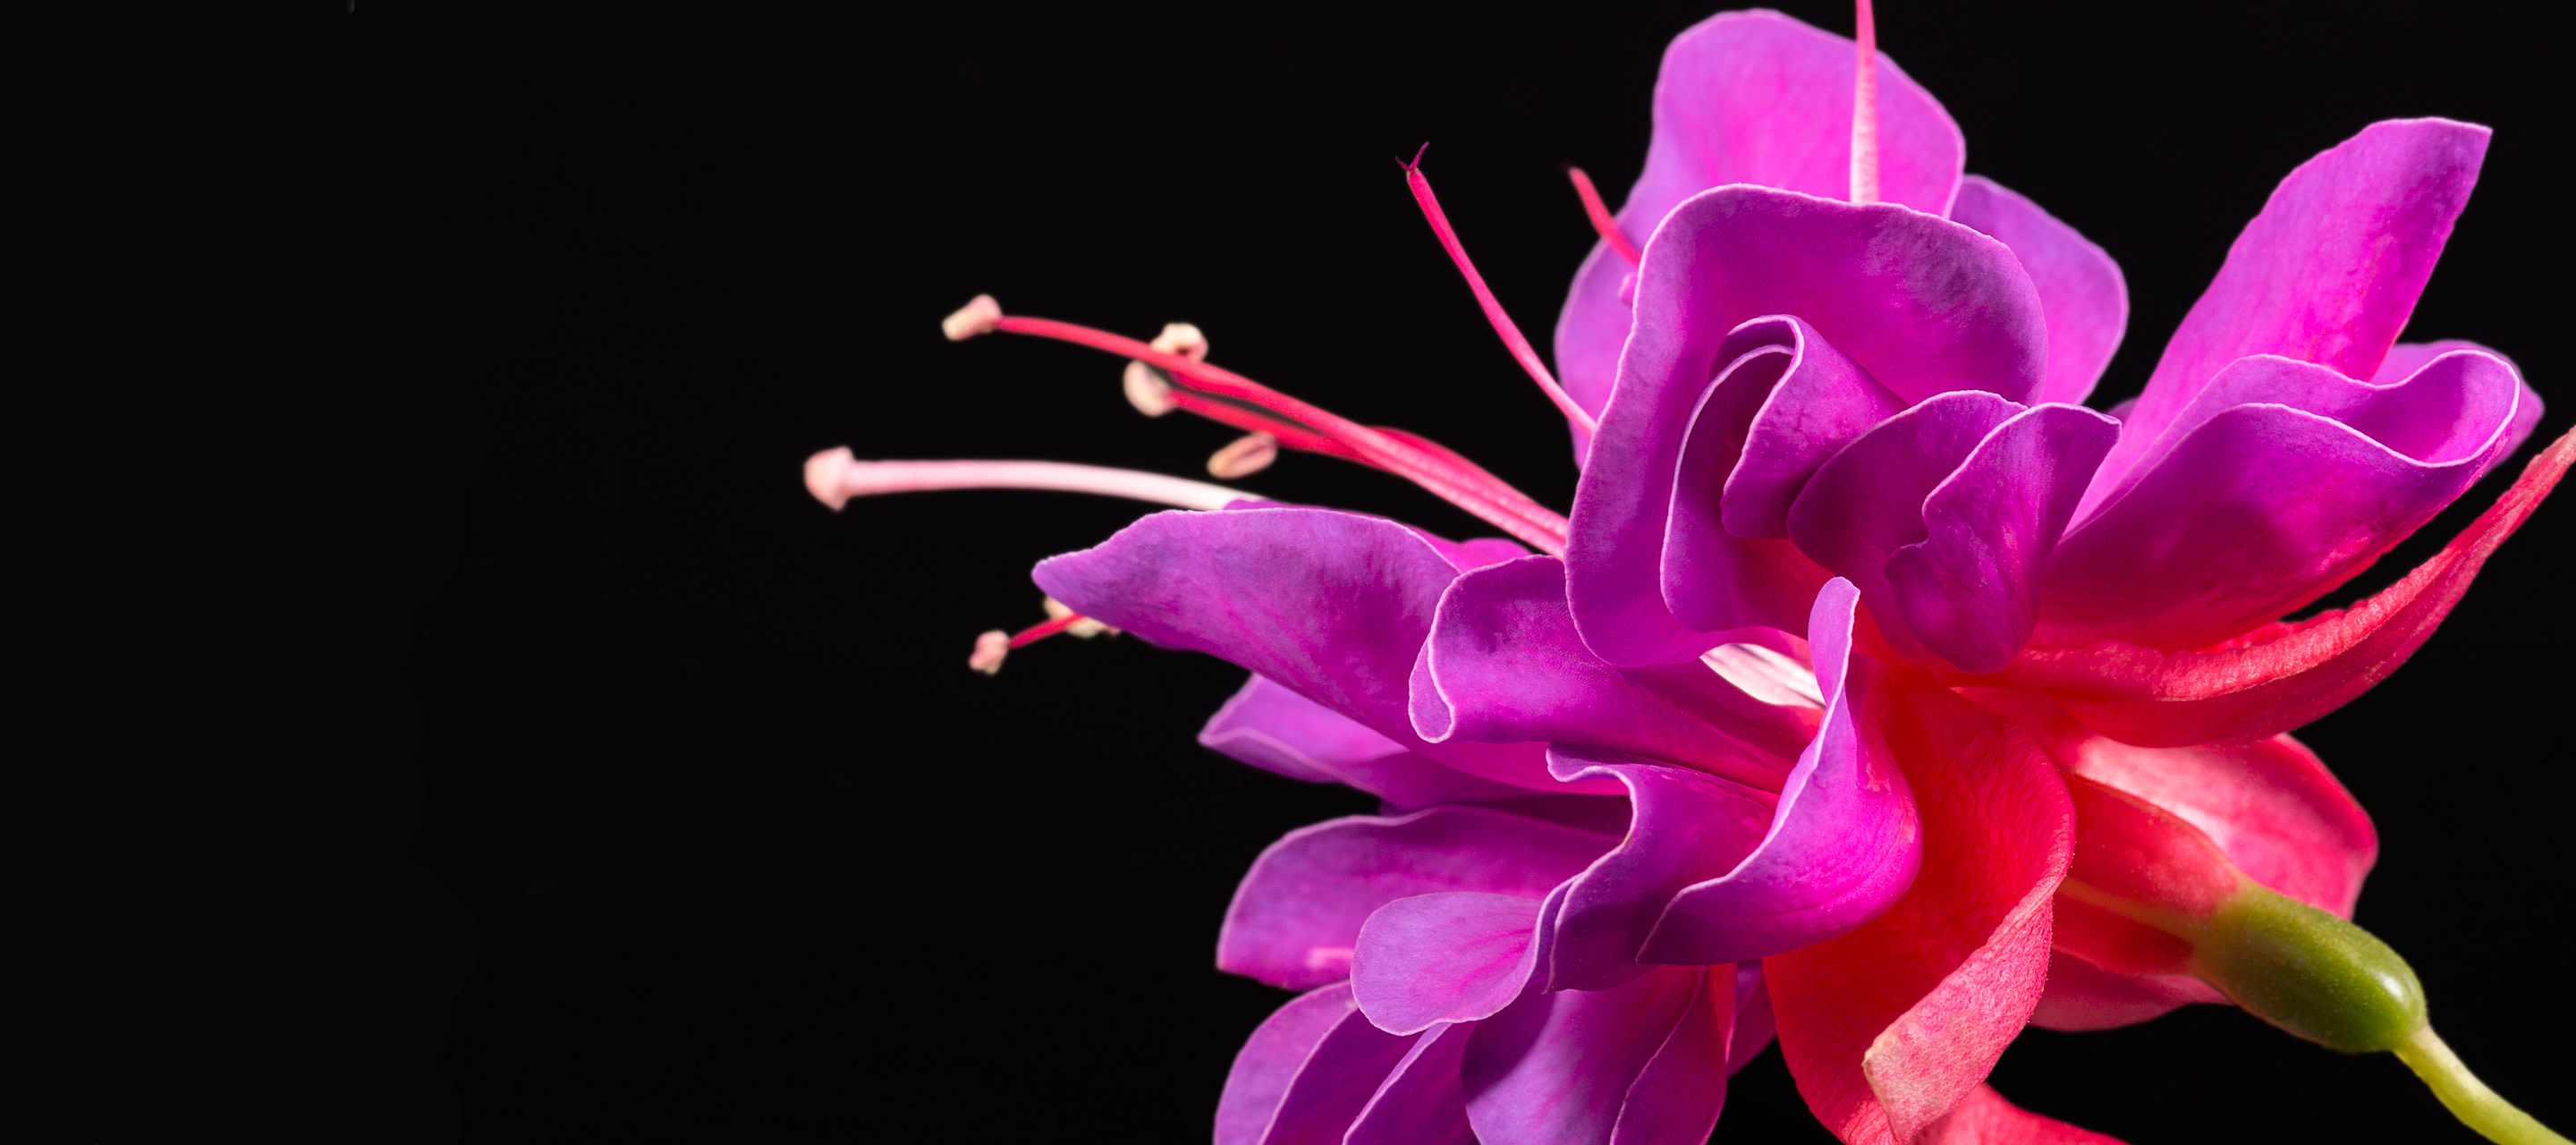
column 1752, row 97
column 1329, row 1086
column 1296, row 917
column 1504, row 663
column 2327, row 273
column 1687, row 828
column 1970, row 590
column 2080, row 288
column 1456, row 956
column 1270, row 1059
column 1821, row 403
column 1474, row 553
column 1843, row 843
column 1331, row 605
column 1275, row 729
column 2279, row 482
column 1754, row 1026
column 1421, row 1102
column 1922, row 304
column 1640, row 1062
column 1867, row 502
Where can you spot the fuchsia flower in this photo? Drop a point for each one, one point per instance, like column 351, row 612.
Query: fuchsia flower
column 1875, row 692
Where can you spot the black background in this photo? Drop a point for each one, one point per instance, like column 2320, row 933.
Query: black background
column 668, row 810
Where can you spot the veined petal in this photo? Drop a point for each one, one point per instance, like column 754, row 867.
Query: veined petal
column 2327, row 273
column 2278, row 482
column 1327, row 1086
column 1296, row 917
column 1455, row 956
column 1642, row 1062
column 1891, row 1026
column 1421, row 1102
column 1752, row 97
column 1687, row 828
column 1277, row 730
column 1822, row 401
column 2282, row 675
column 1503, row 663
column 1843, row 843
column 1333, row 606
column 1985, row 1118
column 2082, row 996
column 2080, row 288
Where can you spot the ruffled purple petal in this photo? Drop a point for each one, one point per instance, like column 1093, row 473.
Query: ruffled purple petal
column 2086, row 299
column 1752, row 97
column 1277, row 730
column 1421, row 1102
column 1642, row 1062
column 1843, row 843
column 1821, row 402
column 1970, row 590
column 1921, row 304
column 1456, row 956
column 1296, row 917
column 1867, row 502
column 1754, row 1027
column 2327, row 273
column 1687, row 828
column 2279, row 481
column 1331, row 605
column 1504, row 663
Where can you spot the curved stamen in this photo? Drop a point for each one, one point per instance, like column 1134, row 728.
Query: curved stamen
column 1599, row 212
column 1864, row 135
column 1225, row 396
column 834, row 476
column 1502, row 323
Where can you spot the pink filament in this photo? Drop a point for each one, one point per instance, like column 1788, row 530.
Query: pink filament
column 1864, row 135
column 1036, row 632
column 1599, row 212
column 1502, row 323
column 834, row 476
column 1225, row 396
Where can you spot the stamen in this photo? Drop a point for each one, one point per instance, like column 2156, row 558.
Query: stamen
column 1864, row 135
column 978, row 316
column 995, row 646
column 833, row 476
column 1149, row 389
column 1502, row 323
column 1225, row 396
column 1244, row 456
column 991, row 649
column 1599, row 212
column 1183, row 339
column 1083, row 627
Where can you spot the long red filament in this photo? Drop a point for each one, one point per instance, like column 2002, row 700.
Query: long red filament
column 1864, row 133
column 1599, row 212
column 1502, row 323
column 1225, row 396
column 1036, row 632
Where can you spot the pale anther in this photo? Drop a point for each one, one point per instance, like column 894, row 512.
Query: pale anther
column 991, row 649
column 1085, row 628
column 1244, row 456
column 982, row 315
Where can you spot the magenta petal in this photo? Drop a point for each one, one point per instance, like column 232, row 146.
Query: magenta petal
column 1296, row 917
column 1752, row 97
column 2328, row 272
column 1421, row 1102
column 2279, row 482
column 1275, row 729
column 1334, row 1082
column 2086, row 299
column 1504, row 663
column 1822, row 401
column 1843, row 843
column 2082, row 996
column 1331, row 605
column 1270, row 1059
column 1456, row 956
column 1970, row 590
column 1686, row 828
column 1566, row 1068
column 1867, row 502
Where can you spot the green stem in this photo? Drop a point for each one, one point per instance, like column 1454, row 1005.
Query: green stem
column 2468, row 1098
